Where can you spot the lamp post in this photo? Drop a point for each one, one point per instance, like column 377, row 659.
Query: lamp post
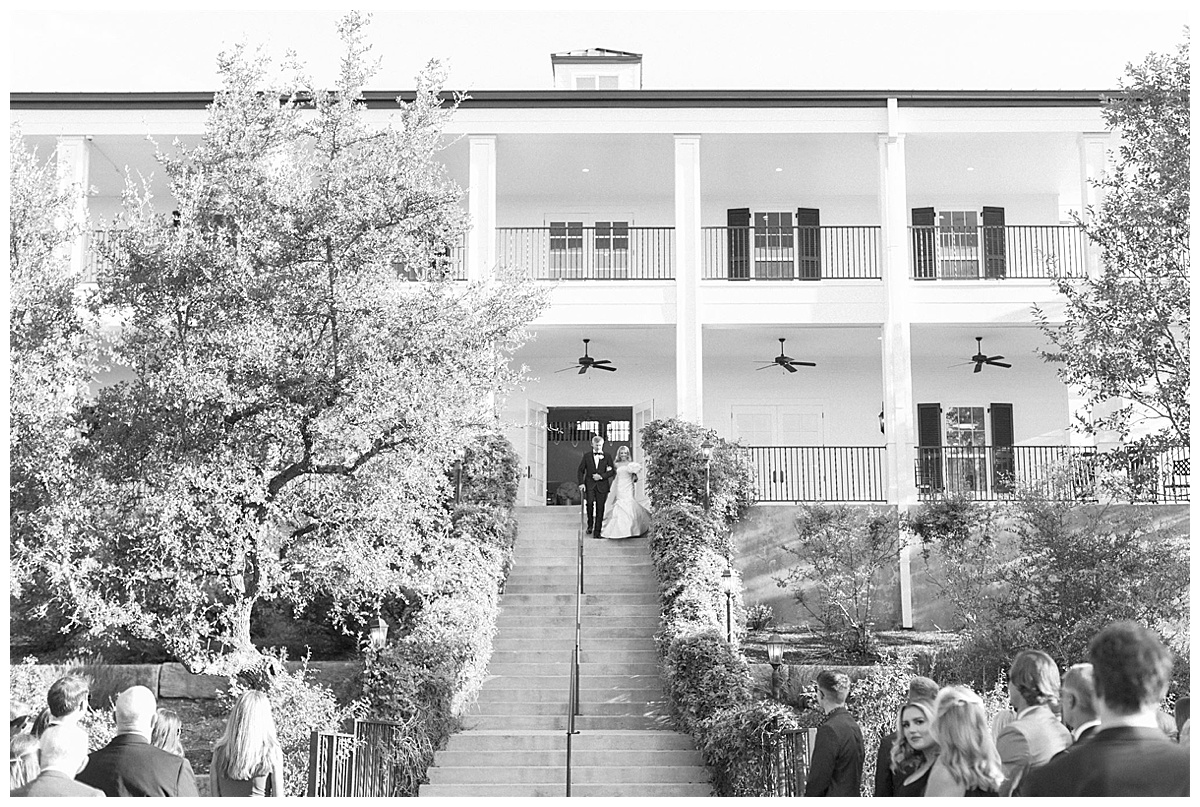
column 707, row 448
column 727, row 587
column 458, row 466
column 377, row 628
column 775, row 657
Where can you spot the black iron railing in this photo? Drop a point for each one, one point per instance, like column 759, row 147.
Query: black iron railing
column 588, row 253
column 330, row 764
column 573, row 693
column 790, row 253
column 996, row 253
column 788, row 759
column 1062, row 472
column 820, row 473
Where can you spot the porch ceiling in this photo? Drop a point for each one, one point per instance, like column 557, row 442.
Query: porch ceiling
column 1009, row 163
column 620, row 167
column 951, row 344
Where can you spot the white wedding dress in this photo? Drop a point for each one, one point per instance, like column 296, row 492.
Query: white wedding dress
column 624, row 516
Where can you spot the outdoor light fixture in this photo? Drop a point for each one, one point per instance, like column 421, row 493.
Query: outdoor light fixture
column 727, row 587
column 378, row 630
column 777, row 170
column 775, row 650
column 881, row 429
column 775, row 657
column 458, row 466
column 707, row 448
column 586, row 170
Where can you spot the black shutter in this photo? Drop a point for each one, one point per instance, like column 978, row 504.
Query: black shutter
column 929, row 452
column 1003, row 460
column 737, row 221
column 924, row 243
column 993, row 242
column 808, row 242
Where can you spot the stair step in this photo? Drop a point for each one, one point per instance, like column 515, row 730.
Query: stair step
column 581, row 774
column 501, row 756
column 488, row 790
column 614, row 683
column 609, row 722
column 563, row 668
column 629, row 740
column 527, row 694
column 642, row 789
column 476, row 741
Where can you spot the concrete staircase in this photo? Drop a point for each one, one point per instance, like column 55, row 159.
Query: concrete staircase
column 515, row 742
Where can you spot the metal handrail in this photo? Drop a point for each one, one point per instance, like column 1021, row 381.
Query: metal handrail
column 573, row 694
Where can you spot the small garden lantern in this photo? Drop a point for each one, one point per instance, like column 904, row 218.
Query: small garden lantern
column 727, row 587
column 378, row 630
column 775, row 657
column 458, row 467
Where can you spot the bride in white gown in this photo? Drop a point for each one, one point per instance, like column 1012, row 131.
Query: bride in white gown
column 624, row 516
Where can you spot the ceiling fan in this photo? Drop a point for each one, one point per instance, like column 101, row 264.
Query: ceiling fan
column 586, row 362
column 786, row 362
column 981, row 359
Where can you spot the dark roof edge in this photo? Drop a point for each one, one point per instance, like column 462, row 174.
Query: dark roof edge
column 483, row 99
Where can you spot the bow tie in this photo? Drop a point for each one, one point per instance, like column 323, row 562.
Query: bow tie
column 598, row 456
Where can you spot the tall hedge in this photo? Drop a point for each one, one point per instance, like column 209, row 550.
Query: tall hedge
column 705, row 677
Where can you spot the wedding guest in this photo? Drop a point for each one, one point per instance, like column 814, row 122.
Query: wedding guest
column 41, row 722
column 164, row 732
column 63, row 754
column 915, row 749
column 967, row 763
column 1036, row 734
column 20, row 717
column 1128, row 756
column 1079, row 703
column 920, row 688
column 248, row 760
column 22, row 760
column 129, row 765
column 837, row 755
column 1166, row 724
column 68, row 699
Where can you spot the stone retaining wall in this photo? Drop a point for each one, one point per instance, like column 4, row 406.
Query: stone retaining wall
column 172, row 680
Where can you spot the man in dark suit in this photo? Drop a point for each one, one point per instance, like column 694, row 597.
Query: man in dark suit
column 596, row 471
column 837, row 755
column 130, row 765
column 1129, row 755
column 62, row 753
column 920, row 688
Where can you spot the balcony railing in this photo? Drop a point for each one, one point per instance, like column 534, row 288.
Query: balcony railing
column 790, row 253
column 995, row 253
column 819, row 473
column 589, row 253
column 453, row 257
column 1063, row 472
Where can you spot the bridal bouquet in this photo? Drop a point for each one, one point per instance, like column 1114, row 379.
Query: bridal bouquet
column 634, row 467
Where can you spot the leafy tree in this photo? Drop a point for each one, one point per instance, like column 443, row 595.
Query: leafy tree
column 1126, row 331
column 50, row 356
column 295, row 405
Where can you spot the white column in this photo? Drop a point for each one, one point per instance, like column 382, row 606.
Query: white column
column 73, row 156
column 689, row 387
column 1093, row 165
column 481, row 196
column 896, row 339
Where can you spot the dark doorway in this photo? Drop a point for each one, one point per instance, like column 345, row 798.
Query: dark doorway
column 569, row 432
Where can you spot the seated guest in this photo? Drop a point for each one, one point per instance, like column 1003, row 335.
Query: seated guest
column 130, row 765
column 22, row 760
column 1036, row 734
column 967, row 762
column 837, row 755
column 1079, row 703
column 63, row 754
column 68, row 699
column 1128, row 756
column 248, row 760
column 914, row 750
column 920, row 688
column 164, row 732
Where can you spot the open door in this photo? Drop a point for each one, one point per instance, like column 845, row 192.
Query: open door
column 535, row 454
column 643, row 413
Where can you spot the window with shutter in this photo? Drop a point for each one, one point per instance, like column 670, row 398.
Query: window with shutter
column 1003, row 459
column 924, row 249
column 808, row 243
column 994, row 252
column 737, row 232
column 929, row 453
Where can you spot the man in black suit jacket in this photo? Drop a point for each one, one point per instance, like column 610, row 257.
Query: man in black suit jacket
column 62, row 753
column 1129, row 755
column 596, row 471
column 837, row 755
column 130, row 765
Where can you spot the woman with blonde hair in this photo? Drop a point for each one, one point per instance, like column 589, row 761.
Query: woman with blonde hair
column 247, row 760
column 23, row 765
column 164, row 732
column 914, row 750
column 968, row 763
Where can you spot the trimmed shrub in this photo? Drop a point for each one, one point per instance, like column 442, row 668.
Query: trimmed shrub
column 739, row 743
column 490, row 472
column 704, row 674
